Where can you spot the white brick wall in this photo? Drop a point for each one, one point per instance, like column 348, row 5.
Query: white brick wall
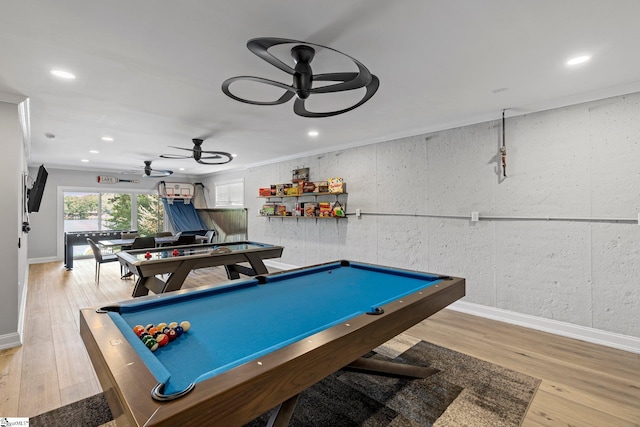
column 579, row 161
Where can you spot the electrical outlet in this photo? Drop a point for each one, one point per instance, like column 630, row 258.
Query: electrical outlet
column 358, row 213
column 475, row 216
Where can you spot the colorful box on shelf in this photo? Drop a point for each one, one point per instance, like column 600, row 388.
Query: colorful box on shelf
column 264, row 192
column 325, row 209
column 309, row 209
column 292, row 191
column 268, row 209
column 315, row 187
column 336, row 185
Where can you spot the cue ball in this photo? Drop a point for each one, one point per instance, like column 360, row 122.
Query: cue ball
column 185, row 326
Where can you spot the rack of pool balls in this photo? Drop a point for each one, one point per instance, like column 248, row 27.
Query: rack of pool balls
column 154, row 336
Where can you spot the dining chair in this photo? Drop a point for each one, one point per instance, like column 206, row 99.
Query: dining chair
column 186, row 239
column 100, row 258
column 144, row 242
column 128, row 236
column 140, row 243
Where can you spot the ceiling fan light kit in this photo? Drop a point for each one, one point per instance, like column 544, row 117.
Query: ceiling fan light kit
column 303, row 77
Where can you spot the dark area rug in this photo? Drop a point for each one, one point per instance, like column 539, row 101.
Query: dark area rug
column 466, row 392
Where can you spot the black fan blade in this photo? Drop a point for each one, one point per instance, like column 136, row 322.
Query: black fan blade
column 260, row 47
column 175, row 156
column 350, row 81
column 299, row 108
column 224, row 158
column 290, row 90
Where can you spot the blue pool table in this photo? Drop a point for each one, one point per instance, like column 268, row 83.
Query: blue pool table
column 256, row 344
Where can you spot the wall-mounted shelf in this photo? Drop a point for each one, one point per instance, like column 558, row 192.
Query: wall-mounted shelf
column 273, row 200
column 302, row 195
column 297, row 217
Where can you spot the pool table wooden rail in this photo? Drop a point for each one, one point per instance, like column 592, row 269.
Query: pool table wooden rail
column 241, row 394
column 179, row 268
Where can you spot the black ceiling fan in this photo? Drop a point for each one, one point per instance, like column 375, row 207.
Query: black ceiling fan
column 303, row 77
column 147, row 172
column 201, row 156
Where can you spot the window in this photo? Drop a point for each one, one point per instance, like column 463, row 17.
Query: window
column 229, row 194
column 150, row 214
column 81, row 211
column 96, row 211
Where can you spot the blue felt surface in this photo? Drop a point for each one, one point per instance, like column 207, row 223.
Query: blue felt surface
column 243, row 321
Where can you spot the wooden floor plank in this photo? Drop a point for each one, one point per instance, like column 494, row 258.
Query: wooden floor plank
column 549, row 409
column 594, row 384
column 10, row 368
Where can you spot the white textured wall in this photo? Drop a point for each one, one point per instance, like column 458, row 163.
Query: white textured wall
column 11, row 257
column 581, row 161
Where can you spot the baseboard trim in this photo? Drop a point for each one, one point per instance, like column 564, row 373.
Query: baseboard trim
column 279, row 265
column 42, row 260
column 10, row 340
column 583, row 333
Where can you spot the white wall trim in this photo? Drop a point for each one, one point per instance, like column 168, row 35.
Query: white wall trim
column 10, row 340
column 583, row 333
column 23, row 303
column 43, row 260
column 279, row 265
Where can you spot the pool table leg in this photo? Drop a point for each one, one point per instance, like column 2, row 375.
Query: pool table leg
column 254, row 260
column 281, row 415
column 383, row 367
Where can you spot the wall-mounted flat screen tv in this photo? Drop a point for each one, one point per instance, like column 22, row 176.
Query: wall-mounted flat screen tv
column 34, row 195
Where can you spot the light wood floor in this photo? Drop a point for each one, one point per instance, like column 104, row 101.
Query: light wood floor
column 582, row 384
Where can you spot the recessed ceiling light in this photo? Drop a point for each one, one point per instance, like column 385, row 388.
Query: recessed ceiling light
column 94, row 151
column 234, row 155
column 181, row 169
column 578, row 60
column 85, row 160
column 313, row 133
column 63, row 74
column 107, row 139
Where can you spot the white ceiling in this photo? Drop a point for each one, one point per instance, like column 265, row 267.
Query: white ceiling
column 149, row 72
